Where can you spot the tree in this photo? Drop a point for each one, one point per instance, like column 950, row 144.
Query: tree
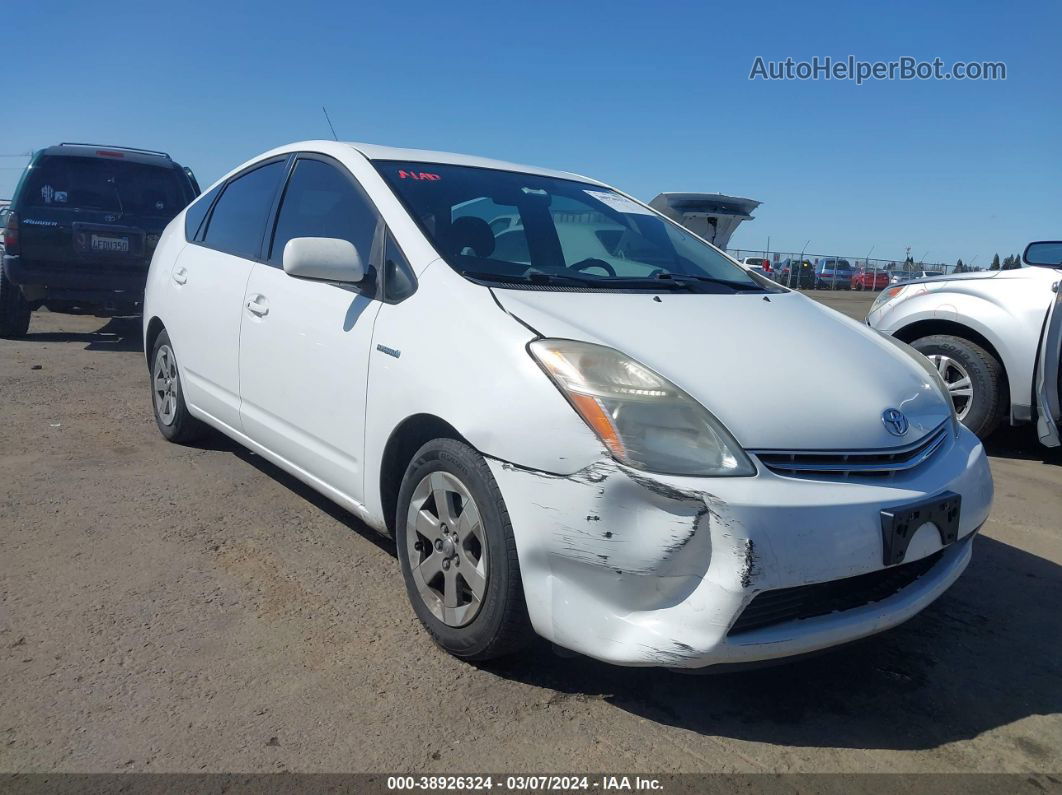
column 995, row 263
column 959, row 267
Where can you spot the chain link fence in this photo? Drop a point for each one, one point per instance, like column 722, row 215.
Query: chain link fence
column 800, row 270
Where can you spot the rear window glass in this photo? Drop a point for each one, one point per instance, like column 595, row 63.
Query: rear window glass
column 238, row 220
column 109, row 185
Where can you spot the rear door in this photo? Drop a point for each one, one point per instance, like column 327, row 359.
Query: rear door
column 304, row 344
column 210, row 278
column 1049, row 375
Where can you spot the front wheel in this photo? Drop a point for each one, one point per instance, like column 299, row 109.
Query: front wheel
column 14, row 310
column 975, row 380
column 458, row 557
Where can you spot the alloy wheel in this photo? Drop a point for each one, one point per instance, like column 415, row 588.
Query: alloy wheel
column 164, row 380
column 446, row 545
column 960, row 387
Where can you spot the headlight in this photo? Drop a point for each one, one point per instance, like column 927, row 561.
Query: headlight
column 887, row 295
column 934, row 376
column 643, row 419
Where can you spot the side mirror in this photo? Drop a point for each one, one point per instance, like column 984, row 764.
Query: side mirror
column 326, row 258
column 1044, row 252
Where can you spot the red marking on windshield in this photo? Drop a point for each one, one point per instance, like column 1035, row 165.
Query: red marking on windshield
column 418, row 175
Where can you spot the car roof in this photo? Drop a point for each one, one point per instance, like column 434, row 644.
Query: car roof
column 378, row 152
column 146, row 156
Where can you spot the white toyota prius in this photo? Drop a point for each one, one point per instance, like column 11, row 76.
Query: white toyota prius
column 542, row 388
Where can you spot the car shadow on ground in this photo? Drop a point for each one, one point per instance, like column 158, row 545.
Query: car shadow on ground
column 116, row 334
column 1021, row 443
column 217, row 441
column 983, row 656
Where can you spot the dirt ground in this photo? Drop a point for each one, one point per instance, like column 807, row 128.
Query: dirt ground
column 195, row 609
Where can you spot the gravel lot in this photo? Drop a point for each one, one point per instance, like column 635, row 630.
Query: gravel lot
column 195, row 609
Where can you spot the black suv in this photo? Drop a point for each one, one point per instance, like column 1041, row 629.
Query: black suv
column 82, row 228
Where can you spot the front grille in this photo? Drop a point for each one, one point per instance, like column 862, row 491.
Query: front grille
column 860, row 463
column 822, row 598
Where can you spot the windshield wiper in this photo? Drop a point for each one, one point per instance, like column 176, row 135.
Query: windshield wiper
column 692, row 277
column 117, row 195
column 601, row 282
column 535, row 277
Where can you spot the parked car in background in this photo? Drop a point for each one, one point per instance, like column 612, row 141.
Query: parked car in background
column 761, row 265
column 82, row 227
column 795, row 273
column 993, row 335
column 866, row 279
column 833, row 274
column 514, row 418
column 900, row 277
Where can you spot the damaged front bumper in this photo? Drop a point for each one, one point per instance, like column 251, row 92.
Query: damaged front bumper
column 650, row 570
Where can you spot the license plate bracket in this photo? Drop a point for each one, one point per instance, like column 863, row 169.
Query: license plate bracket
column 899, row 524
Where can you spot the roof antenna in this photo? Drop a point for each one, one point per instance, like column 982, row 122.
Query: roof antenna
column 333, row 129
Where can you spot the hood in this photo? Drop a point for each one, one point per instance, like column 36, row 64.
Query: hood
column 782, row 374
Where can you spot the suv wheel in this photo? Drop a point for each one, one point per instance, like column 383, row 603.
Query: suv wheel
column 167, row 397
column 14, row 310
column 457, row 553
column 974, row 377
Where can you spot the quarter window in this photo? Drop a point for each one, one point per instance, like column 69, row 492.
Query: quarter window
column 193, row 219
column 322, row 201
column 239, row 217
column 399, row 281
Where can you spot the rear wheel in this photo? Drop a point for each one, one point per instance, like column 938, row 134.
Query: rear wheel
column 458, row 557
column 974, row 377
column 167, row 396
column 14, row 310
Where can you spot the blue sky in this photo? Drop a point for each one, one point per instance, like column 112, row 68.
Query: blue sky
column 648, row 96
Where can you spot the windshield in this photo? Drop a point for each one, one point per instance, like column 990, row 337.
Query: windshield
column 95, row 183
column 510, row 228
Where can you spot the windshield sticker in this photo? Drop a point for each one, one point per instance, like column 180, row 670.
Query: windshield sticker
column 46, row 193
column 418, row 175
column 60, row 196
column 617, row 202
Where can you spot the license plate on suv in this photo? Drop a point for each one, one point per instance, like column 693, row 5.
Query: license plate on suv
column 108, row 243
column 898, row 525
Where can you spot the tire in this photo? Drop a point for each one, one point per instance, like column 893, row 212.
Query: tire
column 175, row 422
column 988, row 401
column 471, row 628
column 14, row 310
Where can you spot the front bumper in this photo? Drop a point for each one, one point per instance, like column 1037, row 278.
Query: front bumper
column 639, row 569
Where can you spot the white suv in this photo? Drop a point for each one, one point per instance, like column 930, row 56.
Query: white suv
column 561, row 428
column 993, row 335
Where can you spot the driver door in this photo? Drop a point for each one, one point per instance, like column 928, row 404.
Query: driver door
column 304, row 344
column 1048, row 376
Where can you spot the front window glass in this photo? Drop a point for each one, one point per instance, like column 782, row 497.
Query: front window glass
column 321, row 201
column 506, row 227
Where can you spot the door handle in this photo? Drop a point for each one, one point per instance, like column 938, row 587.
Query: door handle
column 180, row 275
column 258, row 305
